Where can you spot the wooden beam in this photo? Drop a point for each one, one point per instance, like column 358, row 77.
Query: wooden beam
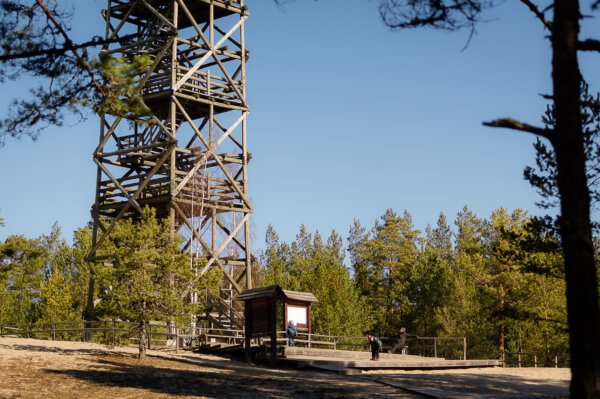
column 159, row 15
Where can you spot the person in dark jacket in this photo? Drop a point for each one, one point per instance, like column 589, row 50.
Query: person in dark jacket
column 375, row 346
column 401, row 341
column 291, row 333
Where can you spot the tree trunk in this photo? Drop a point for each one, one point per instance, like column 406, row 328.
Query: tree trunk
column 575, row 228
column 501, row 328
column 142, row 347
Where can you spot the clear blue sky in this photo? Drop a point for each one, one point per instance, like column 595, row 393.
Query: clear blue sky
column 347, row 119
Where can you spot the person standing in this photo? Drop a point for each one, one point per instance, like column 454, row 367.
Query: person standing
column 375, row 346
column 291, row 332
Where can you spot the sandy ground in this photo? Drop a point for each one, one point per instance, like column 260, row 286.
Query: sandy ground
column 35, row 368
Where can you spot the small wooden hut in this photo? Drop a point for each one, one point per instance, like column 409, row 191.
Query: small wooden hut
column 260, row 313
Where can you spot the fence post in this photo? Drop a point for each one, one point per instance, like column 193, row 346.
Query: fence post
column 535, row 361
column 53, row 331
column 519, row 359
column 434, row 346
column 27, row 327
column 113, row 332
column 464, row 348
column 555, row 361
column 309, row 344
column 176, row 339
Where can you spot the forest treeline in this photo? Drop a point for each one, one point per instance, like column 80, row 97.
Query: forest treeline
column 498, row 281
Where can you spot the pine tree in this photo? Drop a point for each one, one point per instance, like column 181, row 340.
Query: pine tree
column 363, row 274
column 434, row 278
column 56, row 299
column 22, row 263
column 466, row 311
column 391, row 254
column 150, row 277
column 311, row 265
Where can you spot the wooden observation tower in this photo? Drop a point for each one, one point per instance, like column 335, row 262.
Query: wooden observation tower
column 190, row 161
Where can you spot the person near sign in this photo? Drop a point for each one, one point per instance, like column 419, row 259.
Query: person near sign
column 291, row 333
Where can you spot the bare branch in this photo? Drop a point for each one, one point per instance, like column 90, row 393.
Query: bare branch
column 538, row 13
column 516, row 125
column 96, row 41
column 68, row 43
column 588, row 102
column 589, row 45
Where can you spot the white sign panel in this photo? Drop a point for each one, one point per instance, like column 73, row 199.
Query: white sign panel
column 297, row 313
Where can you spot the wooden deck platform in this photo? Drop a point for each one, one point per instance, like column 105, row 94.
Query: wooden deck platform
column 353, row 362
column 341, row 361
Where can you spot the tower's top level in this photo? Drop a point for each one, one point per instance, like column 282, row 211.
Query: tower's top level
column 138, row 12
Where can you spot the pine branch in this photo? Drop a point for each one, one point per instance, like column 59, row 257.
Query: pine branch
column 516, row 125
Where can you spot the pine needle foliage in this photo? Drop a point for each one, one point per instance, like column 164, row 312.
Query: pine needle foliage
column 150, row 278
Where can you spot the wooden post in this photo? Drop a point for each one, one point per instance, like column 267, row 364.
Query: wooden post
column 149, row 335
column 273, row 327
column 464, row 348
column 519, row 359
column 247, row 330
column 535, row 360
column 113, row 331
column 555, row 361
column 176, row 339
column 434, row 346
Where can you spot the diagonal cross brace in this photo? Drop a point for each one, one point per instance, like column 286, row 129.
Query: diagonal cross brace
column 210, row 52
column 210, row 152
column 214, row 257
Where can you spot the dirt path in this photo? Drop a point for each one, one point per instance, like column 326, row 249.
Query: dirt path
column 517, row 383
column 36, row 368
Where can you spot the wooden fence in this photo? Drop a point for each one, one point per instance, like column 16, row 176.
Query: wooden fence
column 116, row 332
column 452, row 348
column 110, row 332
column 520, row 359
